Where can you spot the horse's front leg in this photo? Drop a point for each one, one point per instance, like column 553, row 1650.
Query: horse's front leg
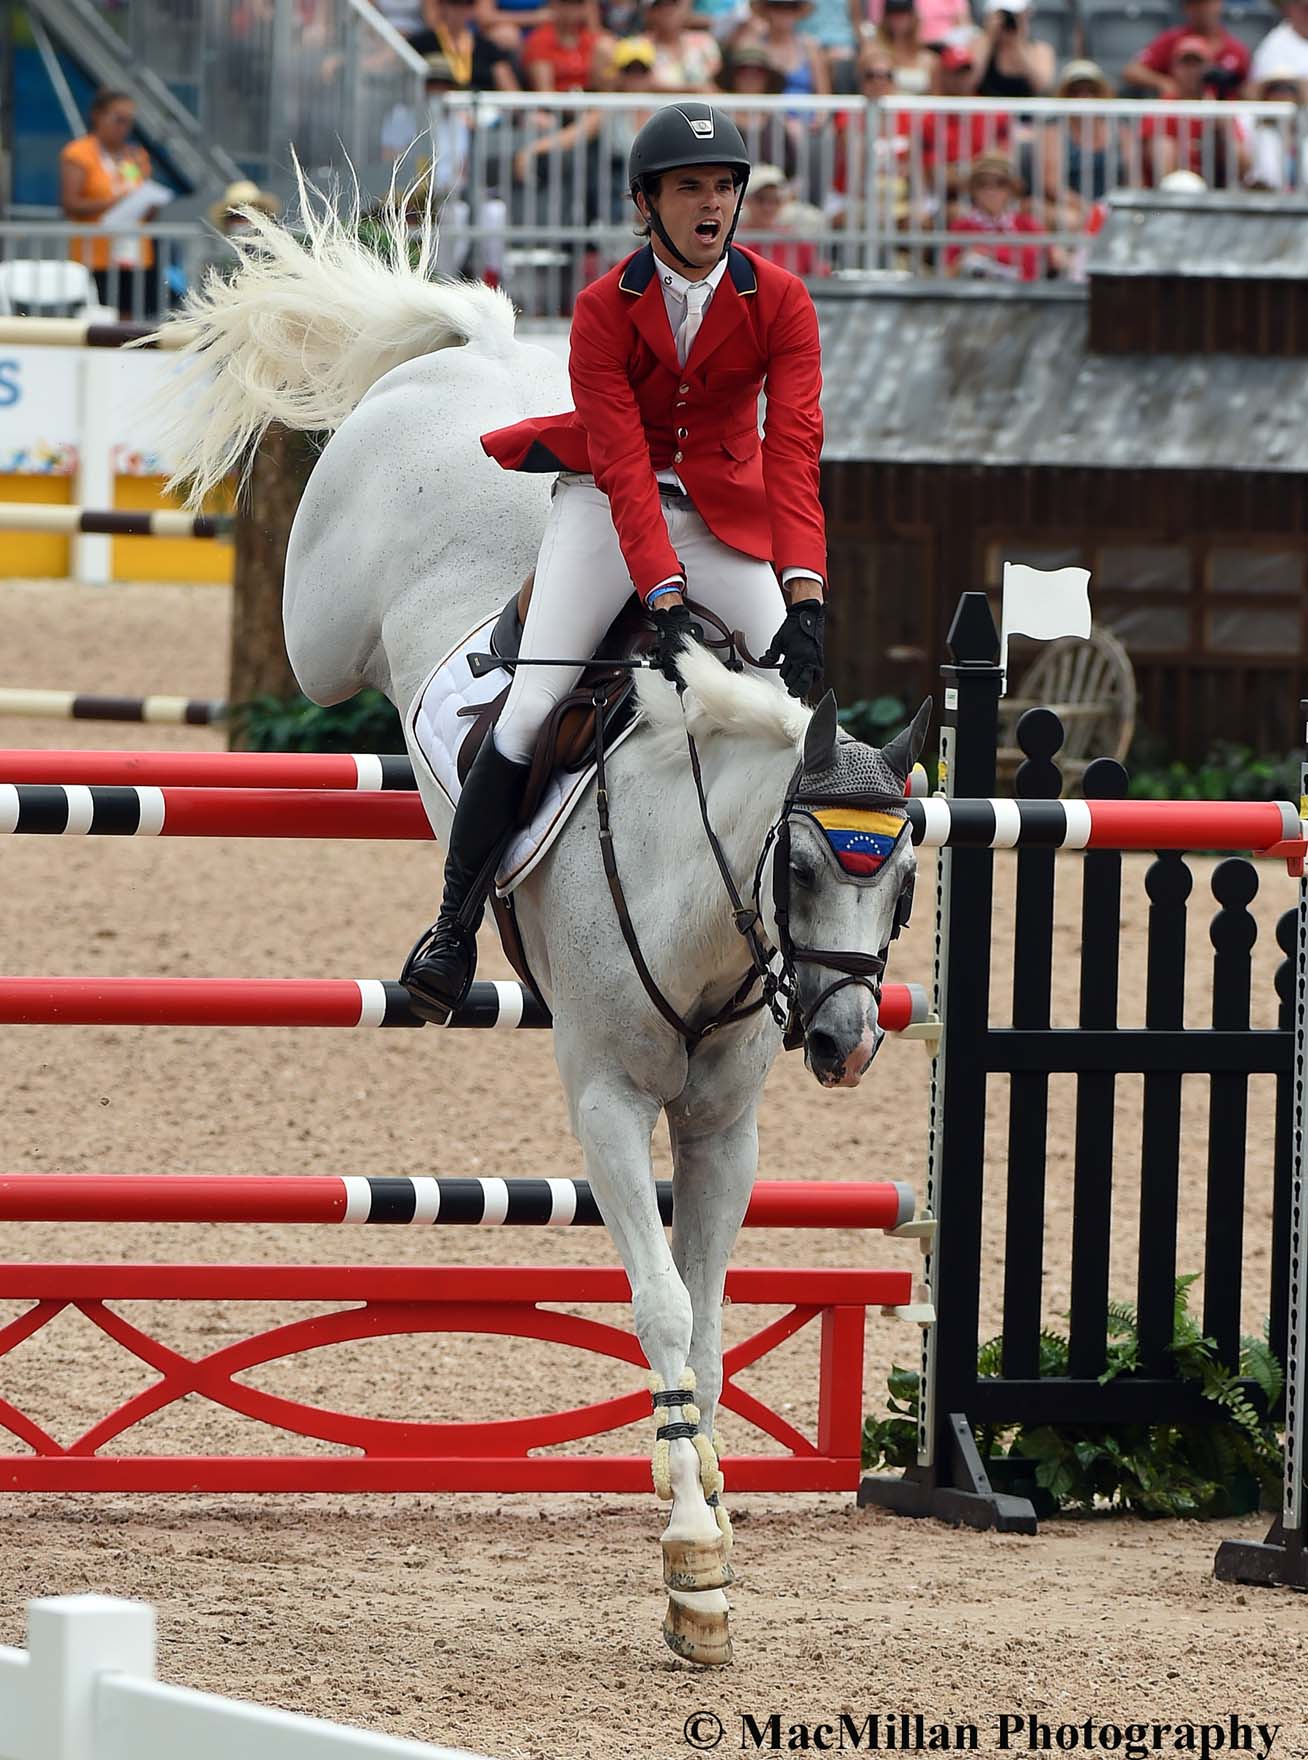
column 713, row 1175
column 614, row 1121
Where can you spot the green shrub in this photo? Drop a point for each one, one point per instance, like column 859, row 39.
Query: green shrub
column 1227, row 773
column 366, row 723
column 875, row 719
column 1220, row 1469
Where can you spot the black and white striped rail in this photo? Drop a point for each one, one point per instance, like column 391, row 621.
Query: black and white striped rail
column 80, row 333
column 113, row 522
column 30, row 704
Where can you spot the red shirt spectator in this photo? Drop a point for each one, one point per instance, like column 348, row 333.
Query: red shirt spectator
column 954, row 138
column 993, row 213
column 1213, row 148
column 1005, row 262
column 559, row 55
column 1227, row 55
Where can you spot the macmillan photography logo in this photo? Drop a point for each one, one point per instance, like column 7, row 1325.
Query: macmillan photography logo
column 773, row 1732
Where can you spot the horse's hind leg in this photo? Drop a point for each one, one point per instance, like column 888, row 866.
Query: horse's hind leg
column 712, row 1180
column 614, row 1122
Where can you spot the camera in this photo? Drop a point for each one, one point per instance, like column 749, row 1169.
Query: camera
column 1222, row 79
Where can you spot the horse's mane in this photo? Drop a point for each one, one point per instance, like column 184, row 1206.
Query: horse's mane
column 715, row 701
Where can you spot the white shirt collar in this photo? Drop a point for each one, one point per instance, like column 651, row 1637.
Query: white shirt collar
column 677, row 285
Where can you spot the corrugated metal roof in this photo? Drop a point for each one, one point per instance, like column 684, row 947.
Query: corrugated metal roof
column 942, row 374
column 1204, row 234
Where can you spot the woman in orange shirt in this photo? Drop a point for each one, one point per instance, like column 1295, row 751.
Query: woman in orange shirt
column 95, row 172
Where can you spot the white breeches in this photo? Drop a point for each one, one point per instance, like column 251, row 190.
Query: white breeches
column 582, row 584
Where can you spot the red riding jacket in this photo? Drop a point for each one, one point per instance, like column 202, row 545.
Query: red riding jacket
column 638, row 411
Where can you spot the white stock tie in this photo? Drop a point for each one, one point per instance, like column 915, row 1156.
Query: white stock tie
column 697, row 297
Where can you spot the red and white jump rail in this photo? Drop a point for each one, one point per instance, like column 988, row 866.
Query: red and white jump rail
column 88, row 706
column 413, row 1199
column 1267, row 828
column 302, row 1002
column 112, row 522
column 366, row 772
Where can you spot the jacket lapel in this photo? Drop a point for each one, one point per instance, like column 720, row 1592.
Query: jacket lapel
column 728, row 308
column 639, row 280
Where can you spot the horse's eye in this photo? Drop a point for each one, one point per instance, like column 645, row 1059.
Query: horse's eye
column 803, row 875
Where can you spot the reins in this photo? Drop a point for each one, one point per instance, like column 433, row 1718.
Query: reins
column 779, row 992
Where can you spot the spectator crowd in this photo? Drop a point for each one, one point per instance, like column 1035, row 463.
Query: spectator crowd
column 984, row 175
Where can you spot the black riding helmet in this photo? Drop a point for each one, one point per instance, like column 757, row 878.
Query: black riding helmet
column 689, row 132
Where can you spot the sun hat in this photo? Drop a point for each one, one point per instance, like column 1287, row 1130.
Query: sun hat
column 1083, row 72
column 242, row 194
column 766, row 177
column 633, row 52
column 753, row 55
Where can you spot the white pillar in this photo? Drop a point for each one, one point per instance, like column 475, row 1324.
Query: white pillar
column 95, row 476
column 71, row 1641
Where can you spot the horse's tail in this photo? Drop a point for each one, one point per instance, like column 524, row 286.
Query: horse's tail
column 306, row 323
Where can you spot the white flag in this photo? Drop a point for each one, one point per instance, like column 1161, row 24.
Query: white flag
column 1044, row 604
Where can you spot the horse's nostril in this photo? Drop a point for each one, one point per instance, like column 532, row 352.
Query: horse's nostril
column 823, row 1049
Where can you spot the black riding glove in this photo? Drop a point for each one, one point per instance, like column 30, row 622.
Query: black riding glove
column 797, row 645
column 673, row 628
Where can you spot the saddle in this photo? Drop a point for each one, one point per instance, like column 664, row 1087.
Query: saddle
column 566, row 740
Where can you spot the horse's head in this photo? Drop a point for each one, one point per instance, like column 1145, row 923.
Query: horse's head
column 842, row 886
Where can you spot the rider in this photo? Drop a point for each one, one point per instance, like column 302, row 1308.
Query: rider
column 664, row 484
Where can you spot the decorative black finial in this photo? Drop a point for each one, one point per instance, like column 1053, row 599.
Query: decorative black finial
column 973, row 639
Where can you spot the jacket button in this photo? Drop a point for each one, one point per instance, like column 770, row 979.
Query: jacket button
column 682, row 433
column 680, row 403
column 683, row 389
column 676, row 458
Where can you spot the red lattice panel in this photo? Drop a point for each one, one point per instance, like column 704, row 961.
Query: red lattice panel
column 469, row 1455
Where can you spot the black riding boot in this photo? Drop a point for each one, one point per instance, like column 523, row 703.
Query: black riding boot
column 439, row 971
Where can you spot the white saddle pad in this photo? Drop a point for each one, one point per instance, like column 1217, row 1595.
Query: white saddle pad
column 439, row 730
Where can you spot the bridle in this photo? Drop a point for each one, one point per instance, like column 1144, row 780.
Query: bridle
column 852, row 965
column 778, row 989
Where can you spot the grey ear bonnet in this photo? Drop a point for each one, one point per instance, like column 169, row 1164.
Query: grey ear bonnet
column 855, row 771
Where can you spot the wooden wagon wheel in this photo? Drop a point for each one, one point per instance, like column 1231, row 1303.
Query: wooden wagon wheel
column 1090, row 686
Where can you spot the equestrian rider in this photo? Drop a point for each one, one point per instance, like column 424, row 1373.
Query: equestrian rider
column 663, row 484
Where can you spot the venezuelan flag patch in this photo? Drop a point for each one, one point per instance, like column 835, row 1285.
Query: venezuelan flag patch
column 860, row 839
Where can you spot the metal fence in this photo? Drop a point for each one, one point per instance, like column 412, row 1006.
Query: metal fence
column 55, row 269
column 330, row 77
column 535, row 184
column 532, row 189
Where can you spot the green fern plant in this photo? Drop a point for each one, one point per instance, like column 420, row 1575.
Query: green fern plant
column 1206, row 1470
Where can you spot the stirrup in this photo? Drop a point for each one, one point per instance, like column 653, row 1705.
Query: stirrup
column 432, row 1005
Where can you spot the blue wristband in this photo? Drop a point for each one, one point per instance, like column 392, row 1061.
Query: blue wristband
column 660, row 592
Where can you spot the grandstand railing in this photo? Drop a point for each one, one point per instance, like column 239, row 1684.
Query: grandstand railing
column 532, row 186
column 335, row 82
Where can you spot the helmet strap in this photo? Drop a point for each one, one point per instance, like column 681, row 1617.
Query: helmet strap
column 661, row 232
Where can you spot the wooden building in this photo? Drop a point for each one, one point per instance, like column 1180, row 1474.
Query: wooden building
column 1151, row 426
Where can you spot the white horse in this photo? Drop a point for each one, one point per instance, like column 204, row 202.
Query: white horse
column 407, row 537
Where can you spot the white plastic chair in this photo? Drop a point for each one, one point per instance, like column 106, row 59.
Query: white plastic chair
column 47, row 286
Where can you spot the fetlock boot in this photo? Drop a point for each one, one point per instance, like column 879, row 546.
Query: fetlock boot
column 439, row 971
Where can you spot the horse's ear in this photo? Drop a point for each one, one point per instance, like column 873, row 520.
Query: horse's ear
column 820, row 739
column 906, row 748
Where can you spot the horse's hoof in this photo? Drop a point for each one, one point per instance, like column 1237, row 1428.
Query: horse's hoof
column 696, row 1564
column 702, row 1637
